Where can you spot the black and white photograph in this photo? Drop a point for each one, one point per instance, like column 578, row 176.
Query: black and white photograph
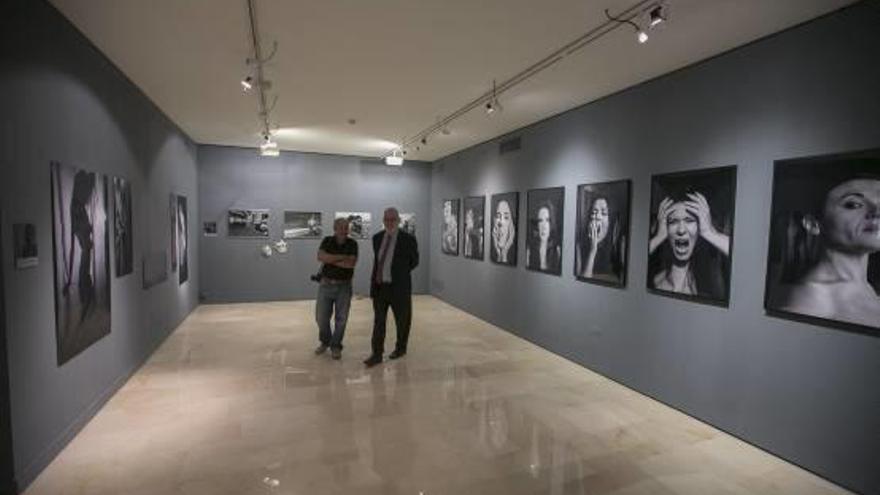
column 690, row 241
column 359, row 223
column 82, row 259
column 172, row 210
column 122, row 228
column 602, row 233
column 502, row 234
column 209, row 229
column 25, row 245
column 408, row 223
column 182, row 240
column 824, row 259
column 449, row 227
column 473, row 230
column 244, row 222
column 544, row 231
column 303, row 225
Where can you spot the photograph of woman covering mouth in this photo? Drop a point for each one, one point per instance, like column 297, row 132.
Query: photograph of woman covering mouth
column 824, row 259
column 689, row 245
column 601, row 233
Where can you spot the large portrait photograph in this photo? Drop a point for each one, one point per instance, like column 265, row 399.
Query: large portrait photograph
column 182, row 240
column 172, row 211
column 474, row 221
column 502, row 233
column 602, row 233
column 122, row 229
column 449, row 227
column 81, row 255
column 544, row 232
column 244, row 222
column 408, row 223
column 359, row 223
column 690, row 241
column 824, row 254
column 303, row 225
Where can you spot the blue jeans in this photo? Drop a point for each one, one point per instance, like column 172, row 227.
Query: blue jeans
column 330, row 296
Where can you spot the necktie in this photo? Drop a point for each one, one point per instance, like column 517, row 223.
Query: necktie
column 380, row 266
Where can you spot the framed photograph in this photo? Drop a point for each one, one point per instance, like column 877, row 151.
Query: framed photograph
column 303, row 225
column 172, row 211
column 81, row 243
column 25, row 245
column 824, row 256
column 243, row 222
column 544, row 232
column 474, row 225
column 408, row 223
column 359, row 223
column 449, row 227
column 209, row 229
column 502, row 235
column 182, row 240
column 122, row 227
column 690, row 242
column 601, row 248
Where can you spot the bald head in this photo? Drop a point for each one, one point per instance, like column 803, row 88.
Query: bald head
column 391, row 219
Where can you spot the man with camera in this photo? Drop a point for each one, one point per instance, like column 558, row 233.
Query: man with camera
column 338, row 253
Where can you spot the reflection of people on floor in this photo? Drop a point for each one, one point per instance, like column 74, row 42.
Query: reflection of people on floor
column 393, row 441
column 681, row 224
column 844, row 230
column 81, row 227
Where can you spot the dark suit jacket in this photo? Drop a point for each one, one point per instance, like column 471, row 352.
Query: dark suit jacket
column 406, row 258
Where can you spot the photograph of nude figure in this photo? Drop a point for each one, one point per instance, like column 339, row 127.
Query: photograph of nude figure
column 824, row 259
column 690, row 241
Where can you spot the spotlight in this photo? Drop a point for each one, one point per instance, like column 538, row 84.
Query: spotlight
column 247, row 84
column 424, row 140
column 656, row 15
column 269, row 147
column 490, row 108
column 395, row 159
column 642, row 36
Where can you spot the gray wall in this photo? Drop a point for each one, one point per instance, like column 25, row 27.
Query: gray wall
column 6, row 472
column 806, row 393
column 234, row 269
column 62, row 100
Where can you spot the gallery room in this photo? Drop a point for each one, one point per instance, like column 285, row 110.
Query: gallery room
column 592, row 247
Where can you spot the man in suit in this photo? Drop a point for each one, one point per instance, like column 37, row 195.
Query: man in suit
column 395, row 255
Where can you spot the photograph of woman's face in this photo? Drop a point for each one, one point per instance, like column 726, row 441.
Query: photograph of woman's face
column 503, row 218
column 469, row 219
column 683, row 228
column 599, row 215
column 544, row 223
column 851, row 217
column 447, row 210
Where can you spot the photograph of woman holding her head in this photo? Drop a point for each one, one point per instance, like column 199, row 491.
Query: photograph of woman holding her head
column 474, row 213
column 601, row 236
column 691, row 231
column 824, row 259
column 449, row 227
column 505, row 213
column 544, row 235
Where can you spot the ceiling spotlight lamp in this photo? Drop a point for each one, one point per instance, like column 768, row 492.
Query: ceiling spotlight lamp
column 641, row 35
column 657, row 15
column 269, row 147
column 247, row 84
column 395, row 159
column 424, row 140
column 492, row 105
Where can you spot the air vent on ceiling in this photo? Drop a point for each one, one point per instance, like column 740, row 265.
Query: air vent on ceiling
column 510, row 145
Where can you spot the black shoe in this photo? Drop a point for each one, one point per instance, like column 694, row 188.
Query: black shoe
column 372, row 360
column 397, row 354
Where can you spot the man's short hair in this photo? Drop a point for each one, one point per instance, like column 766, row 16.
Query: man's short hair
column 396, row 213
column 339, row 221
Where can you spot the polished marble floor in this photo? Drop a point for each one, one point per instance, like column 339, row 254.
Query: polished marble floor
column 235, row 402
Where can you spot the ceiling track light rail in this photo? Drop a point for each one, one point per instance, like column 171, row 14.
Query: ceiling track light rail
column 490, row 98
column 259, row 82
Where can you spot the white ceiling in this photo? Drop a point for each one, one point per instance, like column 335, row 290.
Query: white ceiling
column 396, row 66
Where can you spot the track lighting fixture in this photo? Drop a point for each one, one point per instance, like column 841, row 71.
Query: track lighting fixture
column 650, row 12
column 247, row 84
column 641, row 35
column 424, row 140
column 395, row 159
column 657, row 15
column 269, row 147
